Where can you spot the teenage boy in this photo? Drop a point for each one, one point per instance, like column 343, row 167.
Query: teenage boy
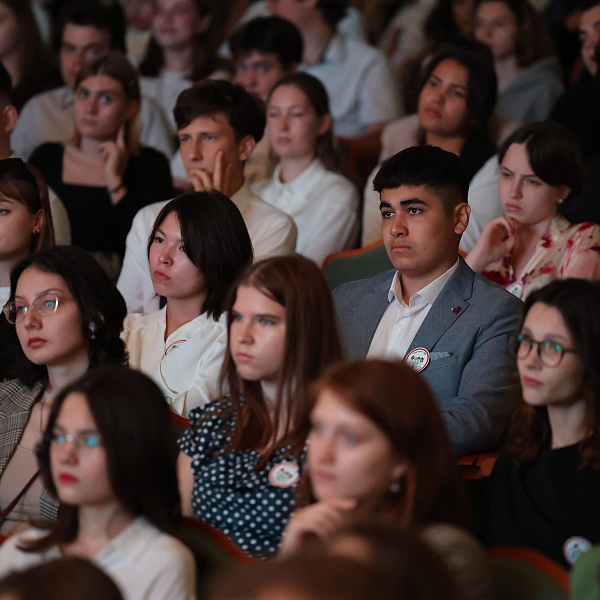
column 449, row 323
column 218, row 125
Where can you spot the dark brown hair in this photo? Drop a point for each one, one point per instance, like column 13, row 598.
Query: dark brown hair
column 577, row 300
column 311, row 344
column 398, row 401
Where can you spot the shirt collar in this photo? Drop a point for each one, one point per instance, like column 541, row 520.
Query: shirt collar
column 303, row 184
column 429, row 293
column 130, row 543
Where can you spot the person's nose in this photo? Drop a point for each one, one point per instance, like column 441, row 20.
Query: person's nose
column 398, row 225
column 66, row 453
column 244, row 333
column 516, row 188
column 322, row 449
column 31, row 320
column 196, row 153
column 165, row 256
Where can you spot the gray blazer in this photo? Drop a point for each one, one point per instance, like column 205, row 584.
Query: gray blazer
column 467, row 330
column 16, row 401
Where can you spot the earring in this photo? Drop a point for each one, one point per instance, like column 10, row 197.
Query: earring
column 561, row 200
column 93, row 331
column 396, row 485
column 36, row 231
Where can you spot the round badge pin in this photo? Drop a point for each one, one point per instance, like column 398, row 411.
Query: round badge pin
column 418, row 359
column 284, row 474
column 574, row 547
column 516, row 289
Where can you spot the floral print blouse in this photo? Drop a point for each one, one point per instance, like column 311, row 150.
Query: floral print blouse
column 565, row 250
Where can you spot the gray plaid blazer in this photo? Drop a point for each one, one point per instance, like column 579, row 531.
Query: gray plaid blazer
column 16, row 400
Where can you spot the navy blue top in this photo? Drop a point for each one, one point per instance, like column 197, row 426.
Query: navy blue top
column 251, row 507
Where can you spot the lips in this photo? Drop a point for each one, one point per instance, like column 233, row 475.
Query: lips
column 322, row 476
column 530, row 382
column 67, row 478
column 400, row 248
column 160, row 276
column 432, row 112
column 512, row 208
column 243, row 357
column 35, row 342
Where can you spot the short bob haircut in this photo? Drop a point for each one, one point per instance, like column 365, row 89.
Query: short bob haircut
column 116, row 66
column 98, row 300
column 553, row 154
column 533, row 39
column 269, row 35
column 312, row 343
column 133, row 420
column 66, row 578
column 426, row 166
column 577, row 301
column 482, row 86
column 215, row 239
column 245, row 113
column 316, row 94
column 399, row 402
column 26, row 185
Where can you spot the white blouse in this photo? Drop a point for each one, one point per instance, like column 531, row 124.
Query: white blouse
column 144, row 562
column 186, row 366
column 323, row 205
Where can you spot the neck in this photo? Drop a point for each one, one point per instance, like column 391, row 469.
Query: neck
column 292, row 168
column 91, row 148
column 453, row 143
column 179, row 59
column 182, row 311
column 11, row 64
column 5, row 149
column 568, row 423
column 61, row 376
column 98, row 525
column 316, row 35
column 236, row 181
column 412, row 285
column 507, row 70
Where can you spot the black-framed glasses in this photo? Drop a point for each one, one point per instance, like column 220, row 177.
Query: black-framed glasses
column 43, row 305
column 549, row 352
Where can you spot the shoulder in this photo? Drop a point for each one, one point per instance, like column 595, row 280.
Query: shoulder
column 140, row 321
column 355, row 290
column 495, row 295
column 148, row 156
column 145, row 217
column 588, row 230
column 358, row 50
column 16, row 397
column 55, row 97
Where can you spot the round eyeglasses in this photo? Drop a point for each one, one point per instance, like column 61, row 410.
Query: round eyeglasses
column 81, row 441
column 43, row 305
column 549, row 352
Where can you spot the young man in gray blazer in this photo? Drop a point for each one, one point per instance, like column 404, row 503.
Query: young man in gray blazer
column 452, row 325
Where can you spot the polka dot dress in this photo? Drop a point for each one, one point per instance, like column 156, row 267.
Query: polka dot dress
column 250, row 507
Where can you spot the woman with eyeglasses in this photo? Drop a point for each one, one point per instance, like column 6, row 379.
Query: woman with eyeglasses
column 108, row 455
column 545, row 492
column 66, row 318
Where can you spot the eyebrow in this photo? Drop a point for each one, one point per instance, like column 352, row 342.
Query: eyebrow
column 79, row 431
column 159, row 230
column 524, row 175
column 48, row 291
column 550, row 336
column 452, row 85
column 407, row 202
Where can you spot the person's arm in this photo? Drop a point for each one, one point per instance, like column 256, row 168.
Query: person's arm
column 477, row 416
column 185, row 477
column 582, row 256
column 495, row 242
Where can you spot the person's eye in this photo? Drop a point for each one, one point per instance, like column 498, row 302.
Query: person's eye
column 48, row 303
column 83, row 94
column 552, row 347
column 209, row 137
column 316, row 429
column 92, row 440
column 432, row 82
column 459, row 94
column 351, row 438
column 266, row 321
column 272, row 114
column 235, row 316
column 386, row 214
column 414, row 211
column 533, row 182
column 263, row 69
column 158, row 239
column 20, row 309
column 298, row 113
column 505, row 174
column 4, row 211
column 106, row 98
column 184, row 138
column 58, row 438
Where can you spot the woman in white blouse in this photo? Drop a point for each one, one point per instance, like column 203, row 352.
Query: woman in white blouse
column 307, row 183
column 198, row 245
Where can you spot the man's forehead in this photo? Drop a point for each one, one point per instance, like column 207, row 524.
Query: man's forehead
column 209, row 122
column 255, row 56
column 405, row 193
column 589, row 18
column 83, row 35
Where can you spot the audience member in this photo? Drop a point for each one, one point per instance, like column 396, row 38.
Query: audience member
column 540, row 167
column 139, row 15
column 23, row 54
column 361, row 89
column 378, row 449
column 67, row 317
column 242, row 455
column 108, row 454
column 457, row 95
column 529, row 74
column 308, row 183
column 86, row 29
column 219, row 124
column 433, row 310
column 179, row 53
column 197, row 247
column 102, row 174
column 577, row 109
column 25, row 227
column 544, row 494
column 65, row 578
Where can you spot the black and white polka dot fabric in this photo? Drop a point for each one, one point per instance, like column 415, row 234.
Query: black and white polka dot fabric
column 250, row 507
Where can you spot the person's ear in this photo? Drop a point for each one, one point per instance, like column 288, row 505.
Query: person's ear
column 203, row 24
column 246, row 147
column 460, row 215
column 38, row 222
column 564, row 191
column 9, row 118
column 325, row 125
column 133, row 109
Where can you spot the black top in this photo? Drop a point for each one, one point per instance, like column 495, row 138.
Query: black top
column 546, row 506
column 97, row 224
column 475, row 153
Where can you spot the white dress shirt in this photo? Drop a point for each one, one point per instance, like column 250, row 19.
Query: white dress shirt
column 144, row 562
column 400, row 322
column 323, row 205
column 272, row 232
